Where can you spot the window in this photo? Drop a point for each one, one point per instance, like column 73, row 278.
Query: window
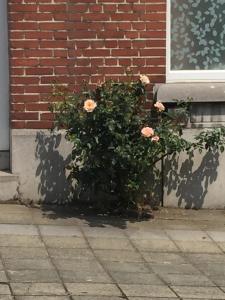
column 195, row 40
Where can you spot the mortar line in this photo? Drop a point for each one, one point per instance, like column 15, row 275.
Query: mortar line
column 102, row 265
column 53, row 263
column 214, row 242
column 7, row 276
column 202, row 273
column 184, row 255
column 148, row 266
column 7, row 283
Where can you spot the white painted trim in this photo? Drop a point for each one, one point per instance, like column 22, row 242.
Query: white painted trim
column 187, row 76
column 4, row 78
column 168, row 25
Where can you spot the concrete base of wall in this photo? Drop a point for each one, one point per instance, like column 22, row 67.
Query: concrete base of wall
column 195, row 180
column 39, row 159
column 9, row 185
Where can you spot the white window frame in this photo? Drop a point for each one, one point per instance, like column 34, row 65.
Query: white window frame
column 187, row 75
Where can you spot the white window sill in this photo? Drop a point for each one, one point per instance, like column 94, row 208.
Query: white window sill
column 197, row 91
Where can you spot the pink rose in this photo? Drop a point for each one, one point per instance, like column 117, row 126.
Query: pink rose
column 144, row 79
column 159, row 106
column 89, row 105
column 155, row 138
column 147, row 131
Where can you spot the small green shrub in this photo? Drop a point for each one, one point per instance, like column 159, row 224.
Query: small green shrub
column 117, row 142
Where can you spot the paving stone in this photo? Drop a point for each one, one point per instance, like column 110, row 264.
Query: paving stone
column 205, row 258
column 1, row 266
column 93, row 289
column 17, row 229
column 107, row 244
column 14, row 208
column 16, row 218
column 81, row 275
column 6, row 297
column 219, row 280
column 213, row 269
column 186, row 280
column 51, row 230
column 131, row 267
column 41, row 298
column 218, row 236
column 188, row 235
column 151, row 298
column 140, row 290
column 20, row 241
column 28, row 264
column 164, row 258
column 65, row 242
column 198, row 247
column 71, row 253
column 3, row 277
column 136, row 278
column 76, row 264
column 119, row 255
column 174, row 269
column 147, row 235
column 33, row 276
column 96, row 298
column 199, row 292
column 221, row 245
column 52, row 218
column 155, row 245
column 4, row 289
column 108, row 232
column 43, row 289
column 22, row 252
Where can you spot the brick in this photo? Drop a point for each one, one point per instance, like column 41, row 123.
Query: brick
column 47, row 116
column 18, row 124
column 68, row 41
column 24, row 116
column 39, row 125
column 39, row 71
column 37, row 106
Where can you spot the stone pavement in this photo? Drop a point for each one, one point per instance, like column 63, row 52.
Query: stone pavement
column 56, row 254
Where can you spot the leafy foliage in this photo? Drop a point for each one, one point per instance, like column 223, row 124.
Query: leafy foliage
column 117, row 142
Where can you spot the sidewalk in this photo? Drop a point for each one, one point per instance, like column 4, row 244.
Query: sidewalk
column 52, row 255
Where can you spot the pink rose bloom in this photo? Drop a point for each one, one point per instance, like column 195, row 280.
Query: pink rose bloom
column 155, row 138
column 89, row 105
column 159, row 106
column 144, row 79
column 147, row 131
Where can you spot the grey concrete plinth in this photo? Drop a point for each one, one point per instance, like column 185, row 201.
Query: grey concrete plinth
column 194, row 181
column 9, row 184
column 39, row 158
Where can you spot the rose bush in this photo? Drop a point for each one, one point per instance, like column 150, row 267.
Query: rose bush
column 117, row 142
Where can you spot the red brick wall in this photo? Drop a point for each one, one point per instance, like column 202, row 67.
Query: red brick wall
column 71, row 40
